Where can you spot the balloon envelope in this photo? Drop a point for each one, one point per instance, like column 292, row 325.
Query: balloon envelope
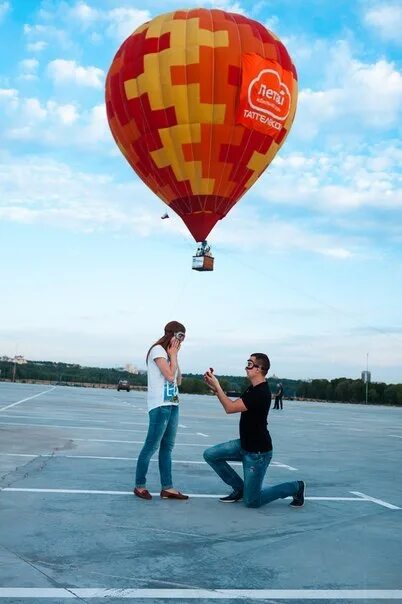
column 199, row 102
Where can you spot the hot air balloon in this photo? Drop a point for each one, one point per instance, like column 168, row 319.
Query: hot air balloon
column 199, row 101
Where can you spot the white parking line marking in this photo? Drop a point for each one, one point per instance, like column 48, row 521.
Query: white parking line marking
column 191, row 495
column 395, row 435
column 374, row 500
column 276, row 464
column 283, row 465
column 201, row 434
column 68, row 419
column 182, row 426
column 73, row 427
column 27, row 399
column 83, row 427
column 134, row 442
column 200, row 594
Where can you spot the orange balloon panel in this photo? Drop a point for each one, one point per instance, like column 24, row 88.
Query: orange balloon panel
column 199, row 102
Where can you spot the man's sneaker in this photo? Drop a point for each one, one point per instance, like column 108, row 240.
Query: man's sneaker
column 233, row 497
column 298, row 499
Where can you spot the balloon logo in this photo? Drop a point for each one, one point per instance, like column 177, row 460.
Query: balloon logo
column 199, row 102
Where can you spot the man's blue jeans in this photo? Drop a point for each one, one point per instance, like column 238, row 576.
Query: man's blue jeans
column 254, row 468
column 163, row 422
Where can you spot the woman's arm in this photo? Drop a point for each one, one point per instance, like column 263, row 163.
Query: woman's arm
column 169, row 367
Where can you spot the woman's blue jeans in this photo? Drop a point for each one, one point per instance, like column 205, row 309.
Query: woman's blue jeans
column 254, row 468
column 163, row 422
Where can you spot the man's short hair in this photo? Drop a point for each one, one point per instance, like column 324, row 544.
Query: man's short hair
column 263, row 361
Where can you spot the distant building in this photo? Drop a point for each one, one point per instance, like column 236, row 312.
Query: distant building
column 131, row 369
column 18, row 359
column 366, row 377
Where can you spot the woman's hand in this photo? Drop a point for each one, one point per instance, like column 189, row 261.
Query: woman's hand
column 174, row 347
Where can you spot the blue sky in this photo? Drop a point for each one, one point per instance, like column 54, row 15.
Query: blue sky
column 308, row 264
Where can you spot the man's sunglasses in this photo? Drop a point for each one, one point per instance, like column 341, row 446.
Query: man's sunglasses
column 179, row 335
column 251, row 365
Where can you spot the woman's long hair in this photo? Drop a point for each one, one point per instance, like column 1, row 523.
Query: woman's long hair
column 170, row 328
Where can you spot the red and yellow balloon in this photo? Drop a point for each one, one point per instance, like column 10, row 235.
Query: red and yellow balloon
column 199, row 102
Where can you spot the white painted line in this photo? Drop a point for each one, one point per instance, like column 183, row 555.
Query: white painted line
column 200, row 594
column 83, row 427
column 182, row 426
column 134, row 442
column 36, row 592
column 67, row 419
column 183, row 461
column 191, row 495
column 133, row 423
column 40, row 417
column 374, row 500
column 395, row 435
column 201, row 434
column 283, row 465
column 27, row 399
column 73, row 427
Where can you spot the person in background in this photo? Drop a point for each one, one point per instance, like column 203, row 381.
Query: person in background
column 164, row 377
column 254, row 447
column 278, row 396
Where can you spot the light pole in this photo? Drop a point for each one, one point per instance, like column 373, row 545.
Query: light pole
column 367, row 381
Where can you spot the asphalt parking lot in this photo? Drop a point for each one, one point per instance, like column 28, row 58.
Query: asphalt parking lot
column 70, row 527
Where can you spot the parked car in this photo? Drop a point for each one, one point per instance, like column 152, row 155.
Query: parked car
column 123, row 385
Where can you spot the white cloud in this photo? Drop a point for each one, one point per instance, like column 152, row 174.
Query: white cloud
column 36, row 46
column 248, row 231
column 4, row 9
column 9, row 99
column 65, row 72
column 227, row 5
column 33, row 110
column 50, row 122
column 39, row 35
column 356, row 96
column 35, row 191
column 8, row 93
column 28, row 69
column 117, row 23
column 96, row 128
column 272, row 23
column 67, row 113
column 29, row 65
column 52, row 193
column 84, row 13
column 336, row 182
column 121, row 22
column 386, row 20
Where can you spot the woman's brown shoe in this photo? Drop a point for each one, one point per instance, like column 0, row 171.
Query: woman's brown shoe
column 144, row 494
column 170, row 495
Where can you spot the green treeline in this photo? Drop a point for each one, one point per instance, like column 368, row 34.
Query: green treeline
column 64, row 373
column 351, row 391
column 339, row 390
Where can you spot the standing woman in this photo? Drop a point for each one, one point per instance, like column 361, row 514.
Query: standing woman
column 164, row 377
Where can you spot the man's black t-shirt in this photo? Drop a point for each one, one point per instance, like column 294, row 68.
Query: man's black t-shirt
column 254, row 435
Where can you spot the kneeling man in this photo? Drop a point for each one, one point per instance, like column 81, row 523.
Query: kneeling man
column 254, row 447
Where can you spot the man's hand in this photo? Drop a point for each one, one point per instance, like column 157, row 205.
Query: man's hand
column 211, row 380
